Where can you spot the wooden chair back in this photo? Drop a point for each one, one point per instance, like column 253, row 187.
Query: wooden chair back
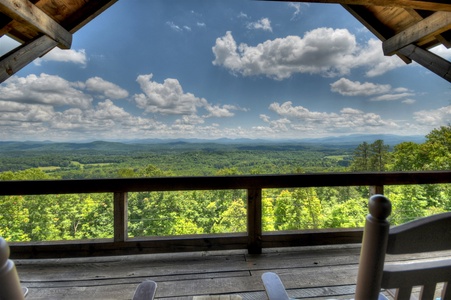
column 9, row 280
column 424, row 235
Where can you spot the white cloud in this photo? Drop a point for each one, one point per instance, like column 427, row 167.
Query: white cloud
column 323, row 51
column 442, row 52
column 297, row 9
column 69, row 55
column 303, row 120
column 166, row 98
column 173, row 26
column 44, row 89
column 7, row 44
column 347, row 87
column 109, row 89
column 263, row 24
column 169, row 98
column 434, row 117
column 392, row 97
column 409, row 101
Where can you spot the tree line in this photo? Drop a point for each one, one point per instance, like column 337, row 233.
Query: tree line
column 64, row 217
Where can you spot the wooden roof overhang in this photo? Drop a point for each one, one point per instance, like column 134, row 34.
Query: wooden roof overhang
column 41, row 25
column 407, row 28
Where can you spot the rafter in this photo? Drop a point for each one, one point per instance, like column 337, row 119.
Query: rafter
column 429, row 60
column 16, row 59
column 422, row 5
column 431, row 26
column 26, row 12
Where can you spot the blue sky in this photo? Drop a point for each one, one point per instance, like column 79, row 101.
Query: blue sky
column 212, row 69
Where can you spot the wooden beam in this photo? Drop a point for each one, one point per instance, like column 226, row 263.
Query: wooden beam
column 422, row 5
column 18, row 58
column 429, row 60
column 373, row 24
column 431, row 26
column 26, row 12
column 85, row 14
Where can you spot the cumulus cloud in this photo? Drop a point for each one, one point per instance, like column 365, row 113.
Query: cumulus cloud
column 303, row 120
column 102, row 121
column 169, row 98
column 109, row 89
column 323, row 51
column 434, row 117
column 68, row 55
column 263, row 24
column 44, row 89
column 347, row 87
column 166, row 98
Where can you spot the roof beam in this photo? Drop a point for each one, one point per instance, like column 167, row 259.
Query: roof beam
column 431, row 26
column 21, row 56
column 414, row 4
column 26, row 12
column 429, row 60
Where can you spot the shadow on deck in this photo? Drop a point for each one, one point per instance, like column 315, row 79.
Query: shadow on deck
column 308, row 273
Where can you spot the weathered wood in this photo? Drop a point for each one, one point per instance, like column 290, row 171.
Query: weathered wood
column 254, row 220
column 414, row 4
column 254, row 240
column 313, row 272
column 120, row 216
column 49, row 187
column 429, row 60
column 432, row 26
column 376, row 189
column 15, row 60
column 404, row 239
column 26, row 12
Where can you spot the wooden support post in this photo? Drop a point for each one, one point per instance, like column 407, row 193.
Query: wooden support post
column 254, row 220
column 376, row 189
column 374, row 245
column 120, row 216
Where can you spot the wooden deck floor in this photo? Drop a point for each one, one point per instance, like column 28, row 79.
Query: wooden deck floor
column 308, row 273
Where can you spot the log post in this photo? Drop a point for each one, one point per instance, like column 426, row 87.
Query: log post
column 9, row 279
column 120, row 216
column 374, row 245
column 376, row 189
column 254, row 221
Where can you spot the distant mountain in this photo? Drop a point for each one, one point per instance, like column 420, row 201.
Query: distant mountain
column 354, row 139
column 347, row 141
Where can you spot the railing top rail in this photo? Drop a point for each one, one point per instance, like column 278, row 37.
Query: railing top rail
column 43, row 187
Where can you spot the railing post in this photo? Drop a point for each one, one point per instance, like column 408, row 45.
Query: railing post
column 374, row 245
column 120, row 216
column 254, row 221
column 376, row 190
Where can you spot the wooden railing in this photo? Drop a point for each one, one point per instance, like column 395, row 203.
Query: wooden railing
column 254, row 240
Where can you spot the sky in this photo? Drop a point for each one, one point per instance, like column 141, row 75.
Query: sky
column 220, row 69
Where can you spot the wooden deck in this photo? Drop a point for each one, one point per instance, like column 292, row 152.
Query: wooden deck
column 308, row 273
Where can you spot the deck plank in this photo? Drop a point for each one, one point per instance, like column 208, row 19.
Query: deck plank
column 309, row 272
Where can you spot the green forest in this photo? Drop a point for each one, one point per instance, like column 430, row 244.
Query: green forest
column 86, row 216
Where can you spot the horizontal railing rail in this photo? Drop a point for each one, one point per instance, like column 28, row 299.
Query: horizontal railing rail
column 253, row 240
